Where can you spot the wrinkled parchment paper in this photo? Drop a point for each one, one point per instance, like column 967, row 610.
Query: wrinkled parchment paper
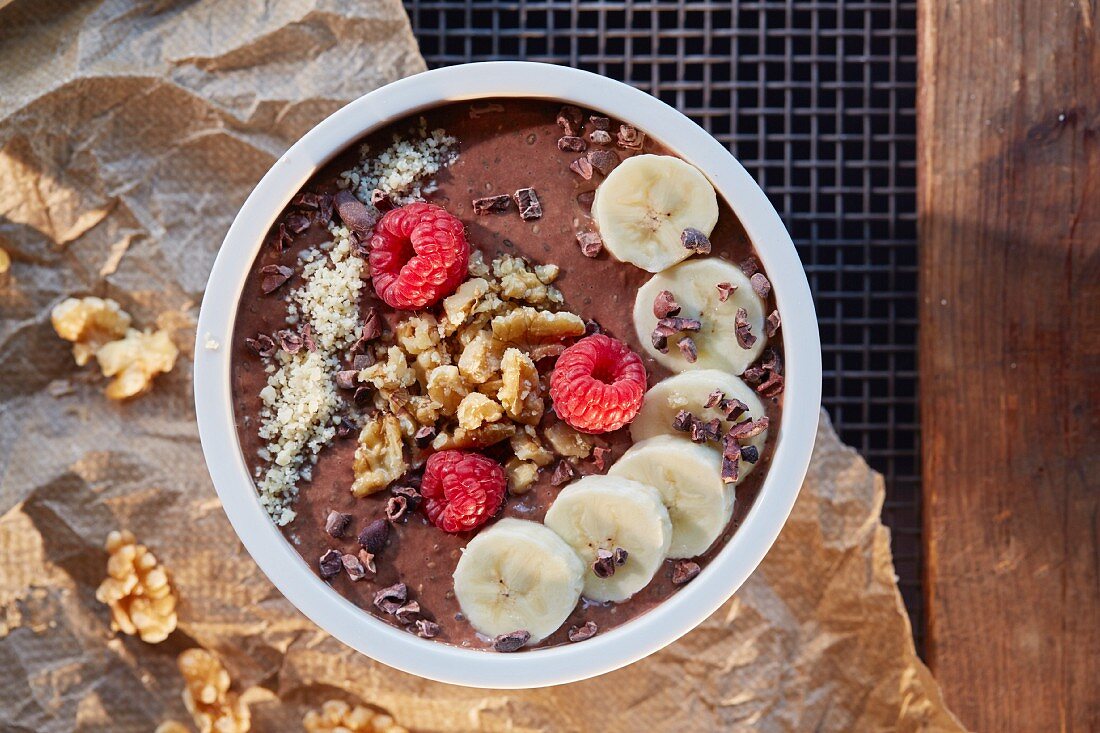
column 130, row 133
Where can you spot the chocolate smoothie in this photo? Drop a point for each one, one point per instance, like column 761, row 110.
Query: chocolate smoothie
column 496, row 147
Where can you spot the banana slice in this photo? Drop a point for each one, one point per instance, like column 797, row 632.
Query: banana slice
column 518, row 575
column 645, row 204
column 690, row 391
column 694, row 286
column 609, row 512
column 689, row 479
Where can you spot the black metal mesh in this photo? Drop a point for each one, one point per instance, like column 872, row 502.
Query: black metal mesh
column 817, row 100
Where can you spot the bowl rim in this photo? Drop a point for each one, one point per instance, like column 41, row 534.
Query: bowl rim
column 630, row 641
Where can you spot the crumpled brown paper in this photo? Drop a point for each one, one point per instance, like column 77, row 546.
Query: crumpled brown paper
column 130, row 133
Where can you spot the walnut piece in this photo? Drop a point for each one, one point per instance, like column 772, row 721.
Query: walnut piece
column 89, row 323
column 537, row 332
column 133, row 361
column 459, row 307
column 447, row 388
column 379, row 457
column 527, row 447
column 137, row 590
column 476, row 410
column 483, row 437
column 518, row 281
column 337, row 716
column 568, row 442
column 391, row 374
column 519, row 390
column 418, row 334
column 480, row 359
column 521, row 474
column 207, row 697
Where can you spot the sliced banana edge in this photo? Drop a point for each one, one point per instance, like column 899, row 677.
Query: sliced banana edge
column 689, row 479
column 607, row 512
column 643, row 207
column 690, row 391
column 518, row 574
column 694, row 286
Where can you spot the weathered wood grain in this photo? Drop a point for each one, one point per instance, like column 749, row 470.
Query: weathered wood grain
column 1009, row 199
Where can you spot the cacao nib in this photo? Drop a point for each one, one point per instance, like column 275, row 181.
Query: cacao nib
column 683, row 421
column 408, row 613
column 750, row 266
column 750, row 454
column 741, row 327
column 599, row 456
column 493, row 204
column 396, row 507
column 354, row 213
column 511, row 642
column 581, row 633
column 772, row 386
column 730, row 470
column 336, row 523
column 724, row 291
column 600, row 137
column 684, row 572
column 374, row 536
column 603, row 160
column 426, row 629
column 563, row 472
column 695, row 241
column 274, row 277
column 572, row 144
column 665, row 305
column 604, row 566
column 372, row 325
column 774, row 322
column 380, row 200
column 307, row 338
column 296, row 222
column 760, row 285
column 354, row 567
column 330, row 564
column 263, row 345
column 569, row 119
column 528, row 202
column 591, row 243
column 289, row 341
column 714, row 398
column 630, row 137
column 582, row 167
column 347, row 378
column 599, row 123
column 688, row 349
column 388, row 600
column 424, row 436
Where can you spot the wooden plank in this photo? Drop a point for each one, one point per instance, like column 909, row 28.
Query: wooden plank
column 1009, row 200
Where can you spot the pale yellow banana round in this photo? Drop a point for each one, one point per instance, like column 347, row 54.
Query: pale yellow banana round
column 645, row 204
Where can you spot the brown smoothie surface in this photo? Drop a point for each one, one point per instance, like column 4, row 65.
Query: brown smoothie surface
column 512, row 146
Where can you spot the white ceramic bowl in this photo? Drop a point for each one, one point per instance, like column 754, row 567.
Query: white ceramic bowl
column 619, row 646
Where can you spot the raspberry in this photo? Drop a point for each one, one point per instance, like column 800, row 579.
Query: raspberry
column 418, row 254
column 461, row 490
column 598, row 384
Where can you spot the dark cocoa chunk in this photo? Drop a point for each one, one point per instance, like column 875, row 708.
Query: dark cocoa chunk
column 600, row 137
column 747, row 429
column 424, row 436
column 336, row 523
column 730, row 470
column 396, row 508
column 274, row 277
column 701, row 431
column 750, row 454
column 297, row 222
column 289, row 341
column 741, row 327
column 760, row 285
column 665, row 305
column 725, row 290
column 714, row 398
column 426, row 629
column 750, row 266
column 695, row 241
column 569, row 119
column 619, row 556
column 374, row 536
column 512, row 641
column 307, row 338
column 380, row 200
column 678, row 324
column 263, row 345
column 630, row 137
column 683, row 421
column 409, row 494
column 771, row 361
column 354, row 213
column 388, row 600
column 603, row 160
column 279, row 238
column 563, row 472
column 354, row 567
column 733, row 408
column 493, row 204
column 604, row 566
column 599, row 456
column 591, row 243
column 582, row 167
column 528, row 202
column 591, row 327
column 599, row 123
column 408, row 613
column 581, row 633
column 347, row 378
column 330, row 564
column 659, row 340
column 688, row 349
column 684, row 572
column 774, row 322
column 772, row 386
column 572, row 144
column 372, row 326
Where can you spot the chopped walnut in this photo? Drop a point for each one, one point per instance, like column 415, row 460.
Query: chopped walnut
column 337, row 716
column 480, row 360
column 519, row 393
column 418, row 334
column 391, row 374
column 459, row 307
column 379, row 459
column 133, row 361
column 527, row 447
column 536, row 332
column 207, row 696
column 447, row 388
column 478, row 267
column 476, row 410
column 483, row 437
column 137, row 590
column 568, row 442
column 89, row 323
column 518, row 281
column 521, row 474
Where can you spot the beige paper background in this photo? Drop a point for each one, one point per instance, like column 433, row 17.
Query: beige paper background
column 130, row 133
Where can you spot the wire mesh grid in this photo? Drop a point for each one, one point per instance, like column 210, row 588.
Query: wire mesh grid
column 817, row 100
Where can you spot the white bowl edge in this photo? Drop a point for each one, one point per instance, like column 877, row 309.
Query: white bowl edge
column 621, row 645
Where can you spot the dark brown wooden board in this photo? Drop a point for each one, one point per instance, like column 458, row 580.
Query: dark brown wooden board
column 1009, row 201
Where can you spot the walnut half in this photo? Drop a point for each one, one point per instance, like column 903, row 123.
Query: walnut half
column 137, row 590
column 207, row 697
column 379, row 457
column 89, row 323
column 133, row 361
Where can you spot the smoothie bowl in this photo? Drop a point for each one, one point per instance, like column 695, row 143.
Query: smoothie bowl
column 507, row 375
